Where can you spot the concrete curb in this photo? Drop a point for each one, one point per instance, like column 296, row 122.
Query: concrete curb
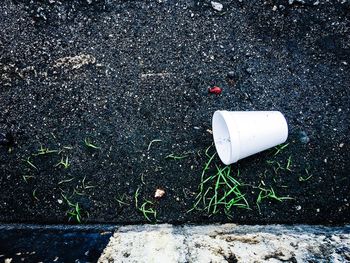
column 228, row 243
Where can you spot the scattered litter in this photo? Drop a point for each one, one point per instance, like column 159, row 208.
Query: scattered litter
column 210, row 131
column 217, row 6
column 159, row 193
column 235, row 139
column 215, row 90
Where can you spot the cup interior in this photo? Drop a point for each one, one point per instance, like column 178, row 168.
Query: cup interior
column 222, row 138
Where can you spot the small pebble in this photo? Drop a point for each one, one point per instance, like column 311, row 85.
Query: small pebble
column 210, row 131
column 303, row 137
column 299, row 1
column 341, row 145
column 59, row 201
column 232, row 78
column 3, row 139
column 231, row 74
column 274, row 8
column 6, row 139
column 159, row 193
column 298, row 207
column 217, row 6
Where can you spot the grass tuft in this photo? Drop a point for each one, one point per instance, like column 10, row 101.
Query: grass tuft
column 280, row 148
column 64, row 162
column 122, row 200
column 44, row 151
column 269, row 194
column 27, row 177
column 75, row 210
column 29, row 162
column 306, row 177
column 146, row 208
column 219, row 191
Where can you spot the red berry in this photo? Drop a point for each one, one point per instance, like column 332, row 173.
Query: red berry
column 215, row 90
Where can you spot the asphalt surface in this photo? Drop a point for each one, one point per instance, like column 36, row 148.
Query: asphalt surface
column 123, row 73
column 42, row 243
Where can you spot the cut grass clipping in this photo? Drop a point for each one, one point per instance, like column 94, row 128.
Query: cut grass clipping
column 90, row 145
column 219, row 191
column 176, row 157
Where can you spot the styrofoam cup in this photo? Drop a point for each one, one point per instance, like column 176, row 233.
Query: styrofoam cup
column 238, row 134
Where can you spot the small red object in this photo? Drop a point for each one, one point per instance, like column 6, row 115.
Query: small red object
column 215, row 90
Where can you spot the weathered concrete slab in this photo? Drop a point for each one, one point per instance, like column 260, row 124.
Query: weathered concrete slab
column 228, row 243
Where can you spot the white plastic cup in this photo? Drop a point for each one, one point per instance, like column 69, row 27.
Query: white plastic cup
column 238, row 134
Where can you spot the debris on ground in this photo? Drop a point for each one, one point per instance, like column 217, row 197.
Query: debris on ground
column 215, row 90
column 303, row 137
column 159, row 193
column 217, row 6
